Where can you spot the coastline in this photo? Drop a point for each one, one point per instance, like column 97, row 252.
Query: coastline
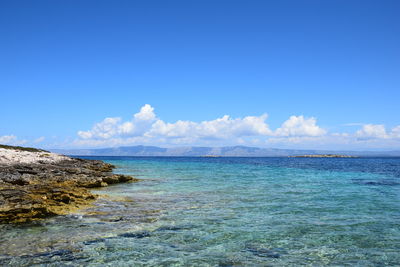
column 36, row 184
column 324, row 156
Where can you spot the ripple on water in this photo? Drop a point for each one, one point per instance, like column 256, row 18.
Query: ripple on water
column 226, row 212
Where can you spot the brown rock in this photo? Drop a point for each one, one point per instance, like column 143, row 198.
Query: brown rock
column 33, row 191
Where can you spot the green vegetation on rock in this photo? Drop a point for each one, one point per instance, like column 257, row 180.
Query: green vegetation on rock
column 21, row 148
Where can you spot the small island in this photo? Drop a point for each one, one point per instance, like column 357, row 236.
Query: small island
column 35, row 183
column 324, row 156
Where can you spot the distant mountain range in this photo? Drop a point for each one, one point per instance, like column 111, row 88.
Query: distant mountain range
column 229, row 151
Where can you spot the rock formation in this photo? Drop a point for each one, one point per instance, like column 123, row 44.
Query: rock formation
column 38, row 184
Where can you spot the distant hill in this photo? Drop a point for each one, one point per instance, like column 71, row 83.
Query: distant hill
column 229, row 151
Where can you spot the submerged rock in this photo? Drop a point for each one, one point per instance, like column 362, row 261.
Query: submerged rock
column 33, row 189
column 264, row 252
column 135, row 234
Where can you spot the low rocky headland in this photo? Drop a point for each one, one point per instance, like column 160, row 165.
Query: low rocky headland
column 323, row 156
column 36, row 184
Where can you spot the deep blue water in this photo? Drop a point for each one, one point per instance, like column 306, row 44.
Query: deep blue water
column 226, row 212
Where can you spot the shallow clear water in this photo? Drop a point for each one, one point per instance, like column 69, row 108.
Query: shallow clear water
column 226, row 212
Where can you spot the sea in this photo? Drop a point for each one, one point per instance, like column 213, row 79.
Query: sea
column 194, row 211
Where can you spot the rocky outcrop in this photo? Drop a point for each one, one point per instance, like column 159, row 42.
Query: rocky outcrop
column 323, row 156
column 39, row 189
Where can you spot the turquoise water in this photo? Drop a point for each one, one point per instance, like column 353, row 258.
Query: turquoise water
column 226, row 212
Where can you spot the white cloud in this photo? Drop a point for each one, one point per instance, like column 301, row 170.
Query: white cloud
column 113, row 127
column 221, row 128
column 372, row 131
column 146, row 113
column 395, row 133
column 11, row 140
column 377, row 131
column 7, row 139
column 300, row 126
column 146, row 128
column 102, row 130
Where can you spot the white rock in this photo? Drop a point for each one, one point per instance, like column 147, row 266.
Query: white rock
column 10, row 156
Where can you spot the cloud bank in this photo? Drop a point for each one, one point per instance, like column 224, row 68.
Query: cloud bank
column 378, row 131
column 146, row 127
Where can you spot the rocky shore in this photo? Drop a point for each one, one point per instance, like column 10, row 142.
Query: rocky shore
column 36, row 184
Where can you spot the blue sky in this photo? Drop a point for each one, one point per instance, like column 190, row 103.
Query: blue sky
column 326, row 73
